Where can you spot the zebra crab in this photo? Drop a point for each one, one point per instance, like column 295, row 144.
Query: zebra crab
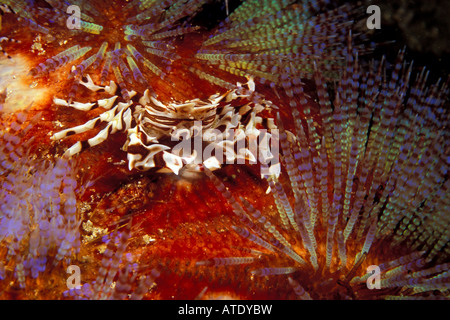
column 223, row 128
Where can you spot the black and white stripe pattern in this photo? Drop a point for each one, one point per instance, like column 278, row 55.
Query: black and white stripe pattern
column 153, row 128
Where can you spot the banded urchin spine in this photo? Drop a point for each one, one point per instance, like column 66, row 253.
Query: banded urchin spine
column 149, row 30
column 264, row 39
column 39, row 221
column 367, row 170
column 376, row 177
